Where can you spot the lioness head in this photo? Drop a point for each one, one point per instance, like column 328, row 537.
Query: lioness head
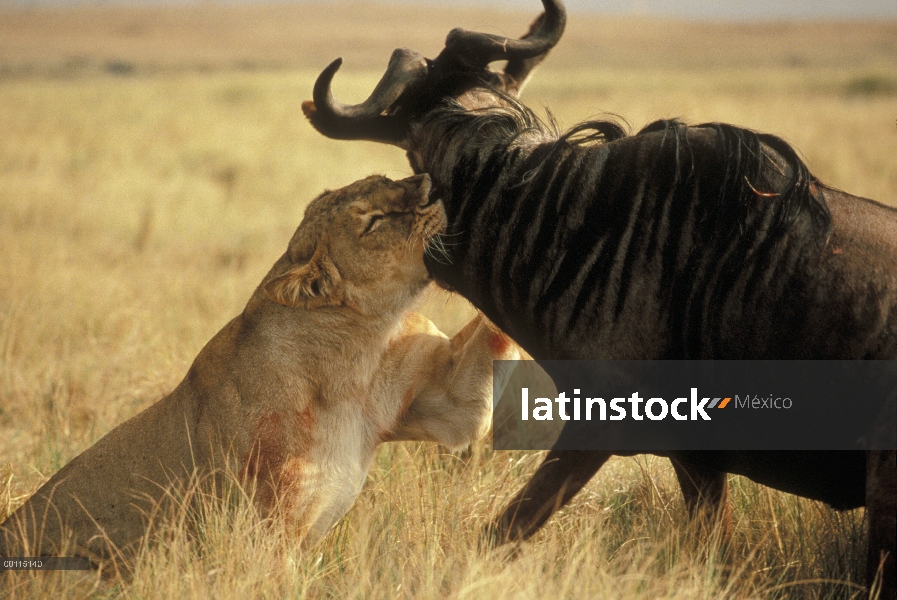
column 361, row 246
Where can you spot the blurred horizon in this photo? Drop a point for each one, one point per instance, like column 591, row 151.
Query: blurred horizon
column 133, row 36
column 722, row 10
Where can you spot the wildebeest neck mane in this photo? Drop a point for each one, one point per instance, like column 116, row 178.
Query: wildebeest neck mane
column 738, row 155
column 593, row 211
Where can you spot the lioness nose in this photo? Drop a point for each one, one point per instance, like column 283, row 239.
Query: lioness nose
column 433, row 197
column 417, row 189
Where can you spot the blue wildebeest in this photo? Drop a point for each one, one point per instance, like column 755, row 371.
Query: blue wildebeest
column 678, row 242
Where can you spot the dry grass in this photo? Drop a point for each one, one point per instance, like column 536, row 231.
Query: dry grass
column 138, row 211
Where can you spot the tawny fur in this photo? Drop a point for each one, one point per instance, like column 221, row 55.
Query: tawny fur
column 325, row 363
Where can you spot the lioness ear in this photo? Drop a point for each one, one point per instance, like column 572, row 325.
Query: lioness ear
column 316, row 283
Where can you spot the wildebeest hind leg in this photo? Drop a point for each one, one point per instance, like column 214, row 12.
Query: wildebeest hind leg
column 560, row 476
column 881, row 511
column 706, row 493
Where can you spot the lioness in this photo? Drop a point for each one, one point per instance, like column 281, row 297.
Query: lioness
column 324, row 364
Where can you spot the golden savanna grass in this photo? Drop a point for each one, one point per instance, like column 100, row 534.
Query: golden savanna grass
column 154, row 163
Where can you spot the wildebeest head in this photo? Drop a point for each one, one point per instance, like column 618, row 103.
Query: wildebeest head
column 413, row 85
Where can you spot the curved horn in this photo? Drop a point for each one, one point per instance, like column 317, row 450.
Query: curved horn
column 367, row 120
column 483, row 48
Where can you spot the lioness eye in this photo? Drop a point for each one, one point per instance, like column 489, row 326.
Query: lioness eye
column 375, row 221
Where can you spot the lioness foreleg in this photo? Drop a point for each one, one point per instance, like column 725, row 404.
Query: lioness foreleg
column 446, row 384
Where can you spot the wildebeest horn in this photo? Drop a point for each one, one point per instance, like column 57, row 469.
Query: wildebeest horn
column 483, row 48
column 367, row 120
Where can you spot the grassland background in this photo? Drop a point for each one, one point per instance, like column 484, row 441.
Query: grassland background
column 154, row 163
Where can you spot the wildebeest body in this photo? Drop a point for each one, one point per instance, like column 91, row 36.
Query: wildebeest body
column 705, row 242
column 658, row 246
column 837, row 478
